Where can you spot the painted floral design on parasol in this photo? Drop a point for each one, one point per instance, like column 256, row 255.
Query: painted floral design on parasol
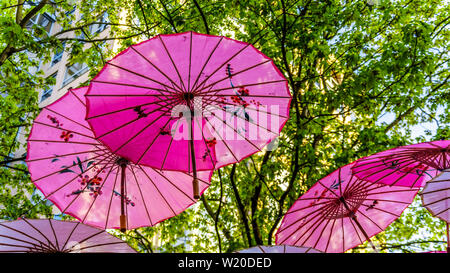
column 53, row 236
column 188, row 101
column 436, row 199
column 279, row 249
column 341, row 211
column 410, row 166
column 85, row 180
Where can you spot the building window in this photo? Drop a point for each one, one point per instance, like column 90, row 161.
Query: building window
column 73, row 72
column 43, row 20
column 97, row 28
column 48, row 91
column 58, row 54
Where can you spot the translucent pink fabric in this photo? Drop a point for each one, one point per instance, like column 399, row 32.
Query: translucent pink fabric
column 410, row 166
column 135, row 103
column 320, row 219
column 279, row 249
column 82, row 178
column 48, row 235
column 436, row 196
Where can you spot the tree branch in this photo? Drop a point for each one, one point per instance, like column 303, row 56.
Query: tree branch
column 203, row 16
column 240, row 205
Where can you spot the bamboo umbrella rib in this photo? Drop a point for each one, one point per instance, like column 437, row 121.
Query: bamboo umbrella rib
column 215, row 91
column 221, row 139
column 153, row 141
column 54, row 234
column 213, row 103
column 157, row 68
column 144, row 77
column 64, row 116
column 130, row 85
column 234, row 74
column 162, row 100
column 257, row 125
column 95, row 199
column 218, row 68
column 190, row 59
column 70, row 181
column 17, row 239
column 131, row 122
column 101, row 244
column 66, row 168
column 63, row 129
column 142, row 196
column 76, row 96
column 62, row 141
column 173, row 185
column 76, row 153
column 323, row 229
column 110, row 200
column 70, row 234
column 361, row 241
column 330, row 210
column 173, row 63
column 111, row 157
column 157, row 189
column 204, row 65
column 20, row 232
column 206, row 145
column 168, row 148
column 42, row 234
column 316, row 214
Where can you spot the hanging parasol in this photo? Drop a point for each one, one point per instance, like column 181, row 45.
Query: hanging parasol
column 341, row 211
column 436, row 199
column 410, row 166
column 85, row 180
column 52, row 236
column 279, row 249
column 188, row 102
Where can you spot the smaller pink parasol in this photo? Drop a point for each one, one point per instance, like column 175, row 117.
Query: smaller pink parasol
column 436, row 198
column 52, row 236
column 409, row 166
column 279, row 249
column 341, row 211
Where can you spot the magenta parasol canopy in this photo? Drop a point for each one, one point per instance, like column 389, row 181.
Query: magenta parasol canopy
column 84, row 179
column 436, row 196
column 188, row 102
column 279, row 249
column 409, row 166
column 52, row 236
column 341, row 211
column 436, row 199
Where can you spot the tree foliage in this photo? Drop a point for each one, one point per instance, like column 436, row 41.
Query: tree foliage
column 363, row 75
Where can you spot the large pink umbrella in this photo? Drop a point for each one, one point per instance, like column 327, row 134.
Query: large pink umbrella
column 85, row 180
column 52, row 236
column 341, row 211
column 279, row 249
column 410, row 166
column 436, row 199
column 188, row 101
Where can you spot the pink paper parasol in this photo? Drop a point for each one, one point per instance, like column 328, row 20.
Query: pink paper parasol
column 188, row 102
column 410, row 166
column 436, row 199
column 341, row 211
column 279, row 249
column 52, row 236
column 85, row 180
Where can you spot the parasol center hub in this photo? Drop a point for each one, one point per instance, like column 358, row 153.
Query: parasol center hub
column 188, row 96
column 122, row 161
